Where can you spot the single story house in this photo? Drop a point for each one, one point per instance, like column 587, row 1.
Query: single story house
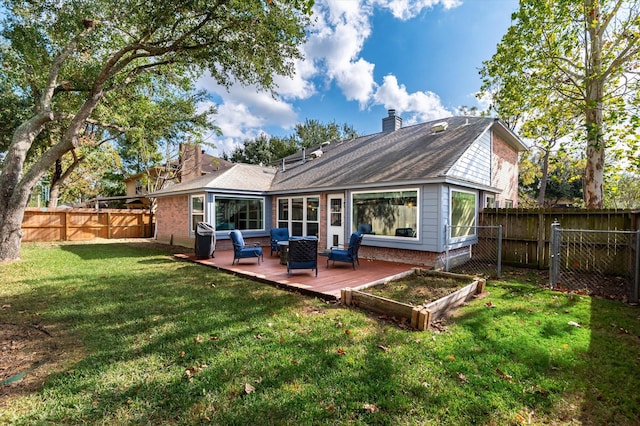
column 401, row 187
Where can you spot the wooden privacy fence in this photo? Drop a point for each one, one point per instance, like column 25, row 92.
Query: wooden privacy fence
column 51, row 224
column 526, row 233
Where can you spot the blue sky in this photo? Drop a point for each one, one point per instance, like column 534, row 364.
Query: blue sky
column 363, row 57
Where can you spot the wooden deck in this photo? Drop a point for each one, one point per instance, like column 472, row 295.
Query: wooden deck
column 326, row 285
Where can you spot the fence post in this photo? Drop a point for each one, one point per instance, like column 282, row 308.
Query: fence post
column 499, row 251
column 554, row 255
column 636, row 274
column 447, row 231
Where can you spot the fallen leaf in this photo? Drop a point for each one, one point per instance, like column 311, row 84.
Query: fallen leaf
column 339, row 325
column 214, row 338
column 503, row 375
column 489, row 305
column 341, row 351
column 347, row 331
column 258, row 336
column 197, row 339
column 282, row 340
column 182, row 354
column 573, row 323
column 249, row 389
column 372, row 408
column 462, row 378
column 6, row 306
column 382, row 347
column 451, row 358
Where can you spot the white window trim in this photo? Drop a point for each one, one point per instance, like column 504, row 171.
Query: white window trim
column 192, row 231
column 392, row 237
column 304, row 220
column 465, row 237
column 244, row 197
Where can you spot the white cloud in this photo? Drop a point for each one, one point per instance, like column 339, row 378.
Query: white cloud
column 335, row 44
column 407, row 9
column 332, row 57
column 420, row 106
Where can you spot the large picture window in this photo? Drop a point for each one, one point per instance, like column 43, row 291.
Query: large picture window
column 387, row 213
column 301, row 215
column 463, row 214
column 197, row 211
column 239, row 213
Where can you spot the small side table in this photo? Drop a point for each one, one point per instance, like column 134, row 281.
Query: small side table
column 284, row 252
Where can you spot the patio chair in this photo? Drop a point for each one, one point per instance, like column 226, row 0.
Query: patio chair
column 240, row 250
column 350, row 254
column 303, row 254
column 277, row 235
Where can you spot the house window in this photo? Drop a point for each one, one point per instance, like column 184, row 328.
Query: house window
column 197, row 211
column 239, row 213
column 490, row 201
column 390, row 213
column 301, row 215
column 508, row 204
column 463, row 214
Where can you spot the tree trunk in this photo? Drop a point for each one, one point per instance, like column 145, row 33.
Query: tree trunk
column 543, row 179
column 594, row 173
column 56, row 182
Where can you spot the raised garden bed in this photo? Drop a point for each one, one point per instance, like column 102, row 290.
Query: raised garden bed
column 422, row 297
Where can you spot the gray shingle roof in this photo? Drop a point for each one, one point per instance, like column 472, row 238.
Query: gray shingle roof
column 239, row 177
column 409, row 154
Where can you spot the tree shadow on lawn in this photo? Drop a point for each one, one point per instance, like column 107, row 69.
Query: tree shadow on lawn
column 177, row 348
column 577, row 365
column 99, row 251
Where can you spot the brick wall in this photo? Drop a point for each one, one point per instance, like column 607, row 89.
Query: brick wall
column 172, row 220
column 413, row 257
column 505, row 171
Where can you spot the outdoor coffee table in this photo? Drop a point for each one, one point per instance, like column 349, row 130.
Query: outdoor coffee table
column 284, row 252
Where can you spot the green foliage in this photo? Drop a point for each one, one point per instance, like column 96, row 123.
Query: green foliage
column 571, row 65
column 623, row 191
column 564, row 178
column 267, row 150
column 263, row 150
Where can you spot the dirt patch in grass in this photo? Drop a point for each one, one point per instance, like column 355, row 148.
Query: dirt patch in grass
column 28, row 355
column 418, row 289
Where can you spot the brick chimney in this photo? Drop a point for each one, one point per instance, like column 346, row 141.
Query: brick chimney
column 391, row 123
column 190, row 162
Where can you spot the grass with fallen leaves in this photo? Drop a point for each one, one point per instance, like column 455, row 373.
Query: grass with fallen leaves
column 169, row 342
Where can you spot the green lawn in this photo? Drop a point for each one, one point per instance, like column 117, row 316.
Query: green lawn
column 150, row 340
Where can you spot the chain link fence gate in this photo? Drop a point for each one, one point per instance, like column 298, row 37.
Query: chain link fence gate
column 595, row 262
column 480, row 254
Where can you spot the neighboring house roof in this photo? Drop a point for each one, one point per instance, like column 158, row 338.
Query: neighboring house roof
column 410, row 154
column 212, row 164
column 238, row 177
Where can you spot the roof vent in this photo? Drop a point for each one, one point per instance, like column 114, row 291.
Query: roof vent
column 440, row 127
column 316, row 154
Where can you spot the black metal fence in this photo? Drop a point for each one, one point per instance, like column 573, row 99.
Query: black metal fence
column 483, row 256
column 596, row 262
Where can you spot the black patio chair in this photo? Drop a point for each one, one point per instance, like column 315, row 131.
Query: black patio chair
column 303, row 254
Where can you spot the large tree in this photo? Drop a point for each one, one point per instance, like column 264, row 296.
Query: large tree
column 584, row 54
column 72, row 57
column 268, row 149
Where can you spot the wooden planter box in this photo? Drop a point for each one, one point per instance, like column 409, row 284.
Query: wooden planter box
column 422, row 315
